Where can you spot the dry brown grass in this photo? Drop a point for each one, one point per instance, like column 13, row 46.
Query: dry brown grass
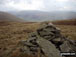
column 13, row 32
column 65, row 22
column 68, row 30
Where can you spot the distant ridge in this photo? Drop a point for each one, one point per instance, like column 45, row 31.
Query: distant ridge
column 32, row 15
column 4, row 16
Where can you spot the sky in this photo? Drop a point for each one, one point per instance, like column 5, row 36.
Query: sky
column 42, row 5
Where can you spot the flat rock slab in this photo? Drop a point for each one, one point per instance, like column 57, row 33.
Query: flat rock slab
column 48, row 48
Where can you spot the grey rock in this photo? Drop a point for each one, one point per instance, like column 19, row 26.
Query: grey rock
column 25, row 43
column 31, row 39
column 68, row 47
column 57, row 39
column 49, row 40
column 48, row 48
column 65, row 47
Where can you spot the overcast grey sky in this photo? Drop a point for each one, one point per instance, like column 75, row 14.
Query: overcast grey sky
column 43, row 5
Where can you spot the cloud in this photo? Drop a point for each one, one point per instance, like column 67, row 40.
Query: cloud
column 3, row 1
column 60, row 5
column 62, row 0
column 22, row 4
column 44, row 5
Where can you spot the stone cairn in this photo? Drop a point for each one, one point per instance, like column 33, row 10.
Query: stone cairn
column 48, row 41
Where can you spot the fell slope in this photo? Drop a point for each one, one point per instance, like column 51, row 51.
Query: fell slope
column 4, row 16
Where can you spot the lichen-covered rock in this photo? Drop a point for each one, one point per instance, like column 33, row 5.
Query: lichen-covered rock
column 68, row 47
column 48, row 48
column 49, row 40
column 65, row 47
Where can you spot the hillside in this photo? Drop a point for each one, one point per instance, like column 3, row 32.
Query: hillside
column 13, row 32
column 4, row 16
column 44, row 16
column 65, row 22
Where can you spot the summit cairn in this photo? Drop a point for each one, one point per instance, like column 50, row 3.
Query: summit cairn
column 48, row 41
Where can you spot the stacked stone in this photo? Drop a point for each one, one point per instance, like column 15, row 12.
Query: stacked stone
column 49, row 41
